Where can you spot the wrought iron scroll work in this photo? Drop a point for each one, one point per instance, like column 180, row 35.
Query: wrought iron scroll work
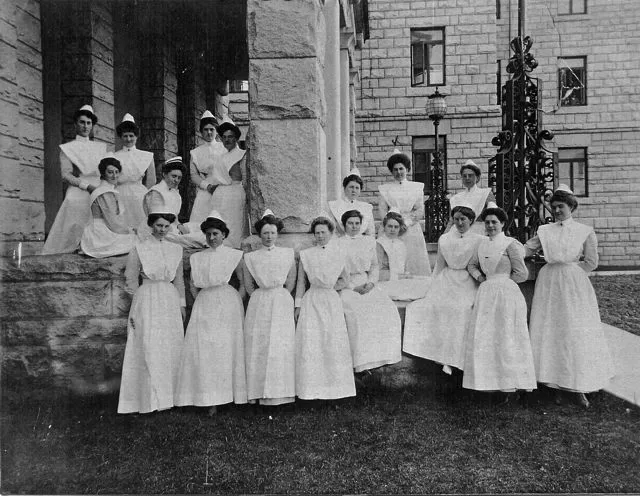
column 437, row 205
column 522, row 172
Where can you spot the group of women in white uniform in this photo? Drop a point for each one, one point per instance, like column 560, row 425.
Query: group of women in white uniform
column 97, row 206
column 468, row 315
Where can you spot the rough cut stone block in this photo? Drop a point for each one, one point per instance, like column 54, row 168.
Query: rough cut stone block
column 274, row 168
column 285, row 29
column 31, row 183
column 56, row 299
column 286, row 89
column 29, row 29
column 25, row 366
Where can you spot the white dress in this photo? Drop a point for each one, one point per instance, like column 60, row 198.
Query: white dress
column 79, row 161
column 392, row 260
column 269, row 327
column 569, row 346
column 339, row 207
column 323, row 359
column 476, row 198
column 106, row 235
column 203, row 174
column 435, row 327
column 155, row 330
column 135, row 164
column 212, row 370
column 373, row 322
column 497, row 347
column 408, row 199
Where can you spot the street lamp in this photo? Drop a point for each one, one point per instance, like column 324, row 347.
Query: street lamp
column 437, row 205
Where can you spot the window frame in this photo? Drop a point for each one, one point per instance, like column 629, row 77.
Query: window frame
column 442, row 148
column 425, row 55
column 572, row 162
column 584, row 81
column 571, row 6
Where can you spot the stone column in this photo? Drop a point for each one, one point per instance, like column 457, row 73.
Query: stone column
column 346, row 46
column 287, row 149
column 332, row 88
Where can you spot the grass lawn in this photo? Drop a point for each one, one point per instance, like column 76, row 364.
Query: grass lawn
column 420, row 440
column 619, row 301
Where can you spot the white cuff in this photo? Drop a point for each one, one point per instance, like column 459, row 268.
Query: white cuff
column 84, row 185
column 298, row 303
column 204, row 185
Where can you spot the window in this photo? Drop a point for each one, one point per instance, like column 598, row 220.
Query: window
column 423, row 149
column 238, row 86
column 572, row 170
column 427, row 57
column 572, row 81
column 499, row 82
column 566, row 7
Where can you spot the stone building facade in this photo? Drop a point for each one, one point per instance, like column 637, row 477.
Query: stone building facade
column 587, row 52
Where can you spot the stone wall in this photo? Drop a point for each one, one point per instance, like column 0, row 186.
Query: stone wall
column 21, row 123
column 390, row 108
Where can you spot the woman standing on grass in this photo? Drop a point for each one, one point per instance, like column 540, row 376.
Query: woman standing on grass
column 498, row 352
column 323, row 358
column 569, row 347
column 155, row 327
column 212, row 370
column 436, row 326
column 269, row 327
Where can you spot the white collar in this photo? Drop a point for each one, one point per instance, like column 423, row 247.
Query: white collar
column 127, row 149
column 567, row 222
column 268, row 248
column 82, row 138
column 472, row 189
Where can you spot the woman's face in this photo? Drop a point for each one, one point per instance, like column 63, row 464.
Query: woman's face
column 173, row 178
column 561, row 211
column 462, row 222
column 352, row 226
column 229, row 140
column 160, row 228
column 268, row 235
column 111, row 174
column 399, row 172
column 392, row 228
column 469, row 178
column 84, row 126
column 352, row 191
column 208, row 133
column 322, row 234
column 215, row 237
column 129, row 139
column 492, row 225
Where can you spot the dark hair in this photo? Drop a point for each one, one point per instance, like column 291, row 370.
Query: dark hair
column 213, row 223
column 166, row 168
column 398, row 218
column 497, row 211
column 318, row 221
column 351, row 178
column 208, row 120
column 152, row 218
column 106, row 162
column 86, row 113
column 269, row 219
column 466, row 211
column 476, row 170
column 564, row 197
column 227, row 126
column 398, row 158
column 127, row 127
column 348, row 214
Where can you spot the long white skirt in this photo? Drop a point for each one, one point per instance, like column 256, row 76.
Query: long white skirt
column 498, row 352
column 569, row 346
column 74, row 215
column 152, row 355
column 270, row 346
column 230, row 202
column 130, row 197
column 98, row 241
column 323, row 359
column 201, row 206
column 435, row 327
column 212, row 370
column 417, row 257
column 374, row 329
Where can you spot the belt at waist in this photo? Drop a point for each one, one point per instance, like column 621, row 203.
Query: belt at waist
column 498, row 276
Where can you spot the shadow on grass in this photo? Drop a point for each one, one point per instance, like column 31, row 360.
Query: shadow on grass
column 426, row 439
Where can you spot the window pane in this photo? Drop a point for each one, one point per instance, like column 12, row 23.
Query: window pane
column 427, row 56
column 572, row 78
column 417, row 59
column 572, row 169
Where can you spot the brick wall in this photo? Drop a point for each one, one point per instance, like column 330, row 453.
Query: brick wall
column 21, row 128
